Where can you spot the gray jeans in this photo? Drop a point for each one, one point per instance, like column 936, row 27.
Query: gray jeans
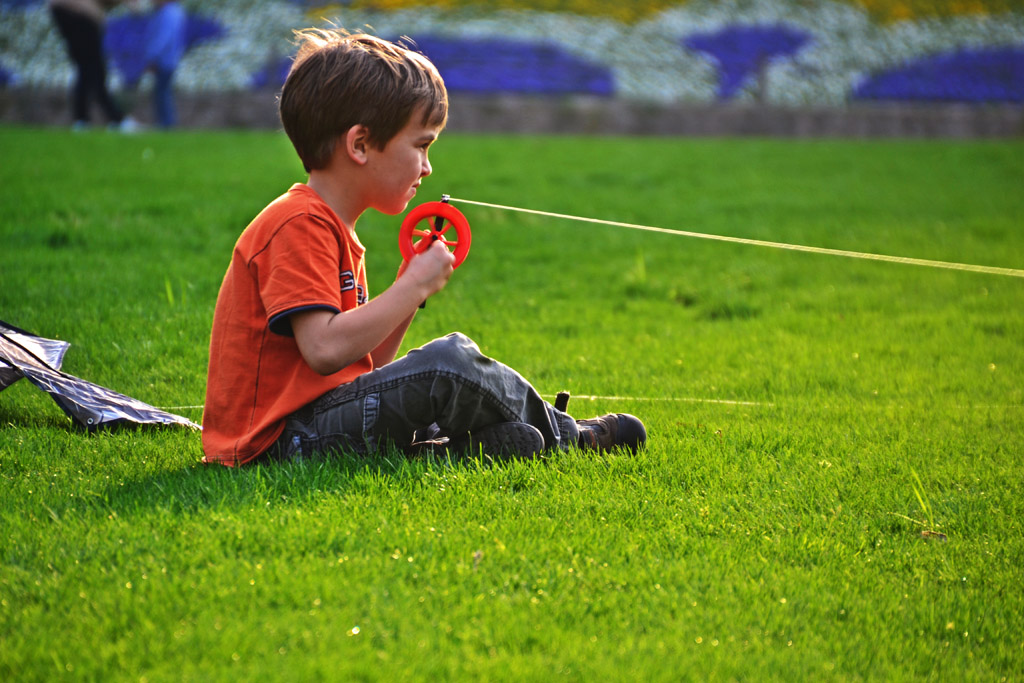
column 446, row 388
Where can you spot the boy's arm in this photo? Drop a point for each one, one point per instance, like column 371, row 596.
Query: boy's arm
column 331, row 341
column 386, row 352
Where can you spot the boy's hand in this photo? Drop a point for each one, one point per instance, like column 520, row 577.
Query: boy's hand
column 331, row 341
column 430, row 269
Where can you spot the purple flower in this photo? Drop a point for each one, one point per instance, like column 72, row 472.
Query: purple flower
column 490, row 66
column 272, row 75
column 742, row 51
column 501, row 65
column 995, row 75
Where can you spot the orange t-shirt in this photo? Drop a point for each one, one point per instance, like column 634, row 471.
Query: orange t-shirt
column 295, row 255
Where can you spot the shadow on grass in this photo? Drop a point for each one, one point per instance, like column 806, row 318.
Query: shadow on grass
column 200, row 488
column 27, row 417
column 23, row 405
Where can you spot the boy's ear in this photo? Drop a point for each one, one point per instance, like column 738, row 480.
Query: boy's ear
column 356, row 143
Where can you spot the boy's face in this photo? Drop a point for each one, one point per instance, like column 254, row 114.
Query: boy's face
column 397, row 169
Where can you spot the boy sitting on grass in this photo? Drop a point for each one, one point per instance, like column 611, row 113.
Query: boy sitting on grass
column 301, row 360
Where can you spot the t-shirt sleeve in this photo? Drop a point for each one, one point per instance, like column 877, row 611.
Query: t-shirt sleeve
column 298, row 270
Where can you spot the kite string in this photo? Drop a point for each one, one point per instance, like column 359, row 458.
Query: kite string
column 949, row 265
column 992, row 270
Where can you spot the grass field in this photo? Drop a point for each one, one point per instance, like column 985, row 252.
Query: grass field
column 809, row 418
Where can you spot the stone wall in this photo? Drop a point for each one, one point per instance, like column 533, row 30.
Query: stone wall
column 586, row 115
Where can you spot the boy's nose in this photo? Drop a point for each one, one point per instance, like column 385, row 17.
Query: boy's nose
column 426, row 169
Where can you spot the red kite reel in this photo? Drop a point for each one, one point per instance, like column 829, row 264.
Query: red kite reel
column 413, row 239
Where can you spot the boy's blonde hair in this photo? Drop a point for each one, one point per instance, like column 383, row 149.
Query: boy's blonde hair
column 339, row 80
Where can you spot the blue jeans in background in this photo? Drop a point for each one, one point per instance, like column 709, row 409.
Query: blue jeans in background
column 163, row 98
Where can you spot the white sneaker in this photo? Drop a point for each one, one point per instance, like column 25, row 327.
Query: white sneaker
column 127, row 126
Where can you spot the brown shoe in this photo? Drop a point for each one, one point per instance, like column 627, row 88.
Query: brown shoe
column 612, row 431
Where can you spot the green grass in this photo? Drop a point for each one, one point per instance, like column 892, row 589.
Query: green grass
column 779, row 539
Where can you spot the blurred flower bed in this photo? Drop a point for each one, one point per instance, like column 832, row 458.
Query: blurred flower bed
column 783, row 52
column 880, row 10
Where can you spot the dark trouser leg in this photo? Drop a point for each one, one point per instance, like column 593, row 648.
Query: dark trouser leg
column 84, row 40
column 447, row 385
